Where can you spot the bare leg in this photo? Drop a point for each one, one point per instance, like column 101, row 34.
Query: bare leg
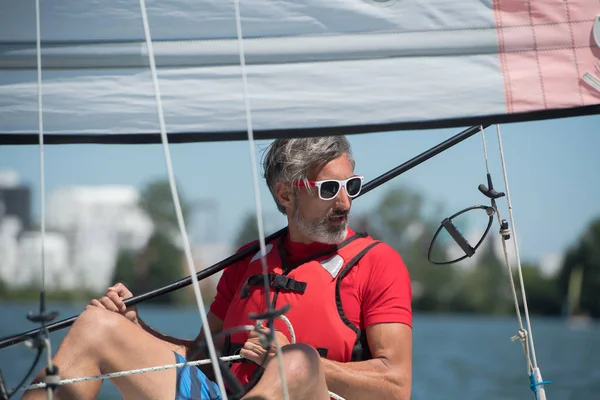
column 102, row 341
column 303, row 373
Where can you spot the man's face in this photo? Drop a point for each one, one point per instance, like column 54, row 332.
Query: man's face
column 324, row 220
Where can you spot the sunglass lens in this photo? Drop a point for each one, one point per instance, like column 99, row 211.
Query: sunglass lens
column 329, row 189
column 353, row 186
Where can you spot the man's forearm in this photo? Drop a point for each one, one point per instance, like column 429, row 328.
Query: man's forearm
column 360, row 380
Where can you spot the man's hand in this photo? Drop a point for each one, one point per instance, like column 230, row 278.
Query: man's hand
column 254, row 351
column 113, row 300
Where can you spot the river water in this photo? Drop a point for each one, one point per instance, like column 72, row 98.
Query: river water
column 454, row 357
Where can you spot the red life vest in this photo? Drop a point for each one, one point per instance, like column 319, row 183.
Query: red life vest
column 312, row 289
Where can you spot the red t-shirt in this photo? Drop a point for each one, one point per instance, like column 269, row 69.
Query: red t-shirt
column 376, row 290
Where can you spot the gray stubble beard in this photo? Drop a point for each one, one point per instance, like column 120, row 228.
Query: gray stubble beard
column 319, row 230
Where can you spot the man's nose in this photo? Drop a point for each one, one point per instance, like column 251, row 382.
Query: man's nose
column 343, row 200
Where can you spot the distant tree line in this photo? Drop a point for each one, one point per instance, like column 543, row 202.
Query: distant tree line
column 484, row 287
column 400, row 219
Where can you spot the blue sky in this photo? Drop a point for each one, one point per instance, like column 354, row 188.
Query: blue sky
column 552, row 171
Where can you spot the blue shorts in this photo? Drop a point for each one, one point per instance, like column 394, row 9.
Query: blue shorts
column 193, row 384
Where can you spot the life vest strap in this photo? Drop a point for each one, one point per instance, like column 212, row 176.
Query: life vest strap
column 276, row 281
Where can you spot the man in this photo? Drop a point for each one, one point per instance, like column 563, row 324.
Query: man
column 349, row 298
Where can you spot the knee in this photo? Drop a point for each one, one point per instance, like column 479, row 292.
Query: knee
column 97, row 323
column 301, row 364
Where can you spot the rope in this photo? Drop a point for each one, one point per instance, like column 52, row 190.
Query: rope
column 516, row 247
column 522, row 335
column 41, row 139
column 535, row 374
column 133, row 372
column 45, row 342
column 182, row 228
column 505, row 232
column 261, row 233
column 288, row 324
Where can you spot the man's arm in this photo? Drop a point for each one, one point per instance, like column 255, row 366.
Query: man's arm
column 114, row 300
column 389, row 373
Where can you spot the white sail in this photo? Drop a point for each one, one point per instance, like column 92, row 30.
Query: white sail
column 342, row 65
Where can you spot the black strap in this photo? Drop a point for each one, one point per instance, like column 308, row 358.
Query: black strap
column 276, row 281
column 360, row 349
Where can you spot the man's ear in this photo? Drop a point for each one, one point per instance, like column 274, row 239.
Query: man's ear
column 284, row 195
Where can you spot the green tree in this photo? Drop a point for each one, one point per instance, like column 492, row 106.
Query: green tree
column 248, row 230
column 399, row 209
column 542, row 293
column 485, row 288
column 401, row 221
column 160, row 262
column 583, row 256
column 157, row 201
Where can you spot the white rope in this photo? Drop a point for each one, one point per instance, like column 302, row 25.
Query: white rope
column 38, row 45
column 525, row 336
column 182, row 228
column 536, row 371
column 522, row 334
column 485, row 153
column 41, row 139
column 504, row 234
column 249, row 129
column 516, row 247
column 132, row 372
column 335, row 396
column 287, row 323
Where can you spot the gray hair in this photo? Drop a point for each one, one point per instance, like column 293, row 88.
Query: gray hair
column 289, row 160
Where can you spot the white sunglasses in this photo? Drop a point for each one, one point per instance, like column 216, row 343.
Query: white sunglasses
column 329, row 189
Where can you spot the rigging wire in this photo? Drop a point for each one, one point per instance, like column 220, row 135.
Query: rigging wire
column 41, row 139
column 26, row 377
column 182, row 228
column 42, row 340
column 510, row 277
column 259, row 220
column 504, row 235
column 524, row 335
column 536, row 370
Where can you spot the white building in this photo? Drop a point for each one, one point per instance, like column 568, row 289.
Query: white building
column 9, row 178
column 10, row 227
column 14, row 216
column 97, row 221
column 57, row 274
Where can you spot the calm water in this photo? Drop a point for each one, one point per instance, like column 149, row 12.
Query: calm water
column 455, row 357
